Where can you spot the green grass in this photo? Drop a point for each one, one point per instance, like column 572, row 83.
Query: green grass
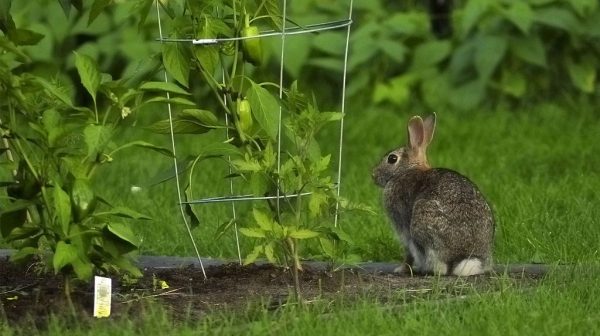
column 538, row 168
column 564, row 304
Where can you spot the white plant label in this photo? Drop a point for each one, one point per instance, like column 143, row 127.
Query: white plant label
column 102, row 296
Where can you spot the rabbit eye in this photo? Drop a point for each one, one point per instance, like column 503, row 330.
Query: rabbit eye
column 392, row 158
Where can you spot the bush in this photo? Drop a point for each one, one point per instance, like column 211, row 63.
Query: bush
column 501, row 50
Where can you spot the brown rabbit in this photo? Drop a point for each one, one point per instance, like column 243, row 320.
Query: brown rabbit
column 443, row 219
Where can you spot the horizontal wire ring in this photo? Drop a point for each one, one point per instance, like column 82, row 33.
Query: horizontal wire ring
column 268, row 33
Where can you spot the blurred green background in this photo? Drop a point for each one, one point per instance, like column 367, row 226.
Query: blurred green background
column 515, row 88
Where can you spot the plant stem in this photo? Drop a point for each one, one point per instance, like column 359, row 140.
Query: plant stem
column 68, row 295
column 295, row 268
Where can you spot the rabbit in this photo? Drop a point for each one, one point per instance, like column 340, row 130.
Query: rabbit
column 444, row 221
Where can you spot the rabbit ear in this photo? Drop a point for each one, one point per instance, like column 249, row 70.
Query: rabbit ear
column 429, row 128
column 416, row 132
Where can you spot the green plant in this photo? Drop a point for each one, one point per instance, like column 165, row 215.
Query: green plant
column 271, row 142
column 54, row 149
column 507, row 51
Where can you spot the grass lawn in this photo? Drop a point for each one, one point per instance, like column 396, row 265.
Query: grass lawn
column 537, row 166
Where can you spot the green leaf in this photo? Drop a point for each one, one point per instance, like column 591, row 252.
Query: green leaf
column 55, row 91
column 326, row 63
column 23, row 254
column 469, row 95
column 190, row 209
column 398, row 90
column 20, row 56
column 489, row 53
column 173, row 100
column 521, row 15
column 316, row 202
column 302, row 234
column 583, row 7
column 24, row 37
column 322, row 164
column 123, row 232
column 83, row 268
column 270, row 252
column 125, row 264
column 143, row 9
column 264, row 221
column 143, row 144
column 18, row 205
column 7, row 24
column 430, row 53
column 207, row 56
column 51, row 120
column 97, row 7
column 123, row 212
column 249, row 165
column 513, row 83
column 176, row 59
column 265, row 109
column 331, row 116
column 180, row 126
column 194, row 218
column 24, row 232
column 66, row 6
column 89, row 73
column 203, row 117
column 583, row 74
column 64, row 254
column 472, row 13
column 62, row 208
column 224, row 227
column 530, row 49
column 250, row 258
column 343, row 236
column 220, row 149
column 163, row 87
column 558, row 18
column 96, row 138
column 274, row 13
column 254, row 233
column 327, row 247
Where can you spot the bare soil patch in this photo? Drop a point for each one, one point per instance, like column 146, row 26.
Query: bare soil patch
column 27, row 296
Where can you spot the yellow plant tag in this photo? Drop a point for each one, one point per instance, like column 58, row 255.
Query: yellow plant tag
column 102, row 296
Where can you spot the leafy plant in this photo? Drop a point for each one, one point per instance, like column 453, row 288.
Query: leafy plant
column 54, row 149
column 283, row 163
column 500, row 51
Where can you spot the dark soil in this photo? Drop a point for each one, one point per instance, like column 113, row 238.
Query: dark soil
column 27, row 296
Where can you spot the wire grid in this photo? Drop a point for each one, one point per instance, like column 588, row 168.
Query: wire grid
column 285, row 31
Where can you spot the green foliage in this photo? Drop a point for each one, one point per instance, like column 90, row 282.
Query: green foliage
column 271, row 141
column 501, row 50
column 54, row 147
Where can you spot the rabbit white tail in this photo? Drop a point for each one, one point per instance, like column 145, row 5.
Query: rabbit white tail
column 469, row 267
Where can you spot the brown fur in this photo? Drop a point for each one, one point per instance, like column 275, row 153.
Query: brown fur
column 441, row 216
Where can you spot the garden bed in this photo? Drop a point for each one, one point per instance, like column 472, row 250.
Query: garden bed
column 27, row 296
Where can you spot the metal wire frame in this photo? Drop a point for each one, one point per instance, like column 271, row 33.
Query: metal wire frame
column 313, row 28
column 283, row 33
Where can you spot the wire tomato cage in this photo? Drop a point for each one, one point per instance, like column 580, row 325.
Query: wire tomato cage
column 283, row 34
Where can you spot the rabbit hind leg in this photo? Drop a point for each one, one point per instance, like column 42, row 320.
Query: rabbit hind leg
column 433, row 263
column 413, row 260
